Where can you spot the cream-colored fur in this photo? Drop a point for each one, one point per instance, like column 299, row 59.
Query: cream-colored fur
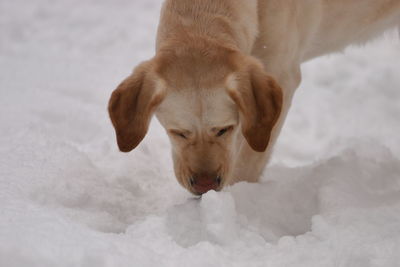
column 232, row 67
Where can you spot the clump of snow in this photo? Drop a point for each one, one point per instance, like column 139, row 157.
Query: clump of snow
column 219, row 215
column 331, row 196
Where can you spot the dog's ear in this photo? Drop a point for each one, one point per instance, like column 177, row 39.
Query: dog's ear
column 259, row 100
column 132, row 104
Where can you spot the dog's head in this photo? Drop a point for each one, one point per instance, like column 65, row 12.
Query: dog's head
column 207, row 102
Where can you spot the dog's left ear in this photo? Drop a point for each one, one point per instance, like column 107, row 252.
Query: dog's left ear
column 259, row 99
column 132, row 104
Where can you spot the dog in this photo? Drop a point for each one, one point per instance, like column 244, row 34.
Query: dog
column 224, row 74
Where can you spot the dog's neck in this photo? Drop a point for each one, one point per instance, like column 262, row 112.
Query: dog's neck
column 186, row 22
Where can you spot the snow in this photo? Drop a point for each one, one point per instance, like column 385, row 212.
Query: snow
column 331, row 196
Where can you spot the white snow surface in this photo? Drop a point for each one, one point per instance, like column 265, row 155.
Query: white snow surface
column 68, row 197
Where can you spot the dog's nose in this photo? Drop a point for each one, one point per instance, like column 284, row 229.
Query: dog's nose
column 202, row 183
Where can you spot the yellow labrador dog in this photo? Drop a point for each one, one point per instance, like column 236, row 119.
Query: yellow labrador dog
column 223, row 76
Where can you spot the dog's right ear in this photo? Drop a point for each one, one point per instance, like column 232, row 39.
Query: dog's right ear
column 132, row 105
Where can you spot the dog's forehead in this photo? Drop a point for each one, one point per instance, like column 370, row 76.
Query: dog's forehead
column 188, row 109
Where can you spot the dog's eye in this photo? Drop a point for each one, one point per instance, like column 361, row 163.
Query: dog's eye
column 224, row 131
column 178, row 134
column 181, row 135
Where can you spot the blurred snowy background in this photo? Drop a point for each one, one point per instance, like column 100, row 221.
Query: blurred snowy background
column 331, row 196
